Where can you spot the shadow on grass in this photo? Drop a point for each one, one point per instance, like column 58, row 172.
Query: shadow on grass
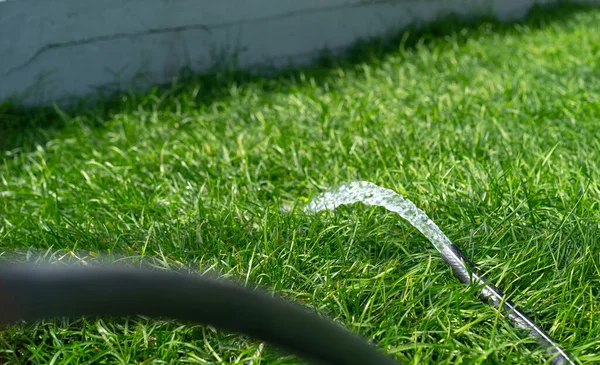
column 27, row 127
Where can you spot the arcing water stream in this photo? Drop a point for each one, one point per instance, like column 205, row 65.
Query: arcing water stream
column 371, row 194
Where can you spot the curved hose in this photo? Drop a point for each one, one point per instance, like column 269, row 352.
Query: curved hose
column 30, row 292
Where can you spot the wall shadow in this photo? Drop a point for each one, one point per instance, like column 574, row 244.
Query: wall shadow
column 23, row 128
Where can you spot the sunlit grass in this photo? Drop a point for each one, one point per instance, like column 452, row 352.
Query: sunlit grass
column 491, row 129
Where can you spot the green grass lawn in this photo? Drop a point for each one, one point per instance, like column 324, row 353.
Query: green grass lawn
column 491, row 129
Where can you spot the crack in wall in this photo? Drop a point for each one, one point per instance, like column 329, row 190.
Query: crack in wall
column 183, row 28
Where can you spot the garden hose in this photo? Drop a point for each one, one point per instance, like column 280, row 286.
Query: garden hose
column 29, row 293
column 466, row 272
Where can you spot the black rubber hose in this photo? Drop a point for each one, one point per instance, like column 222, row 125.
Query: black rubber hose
column 30, row 293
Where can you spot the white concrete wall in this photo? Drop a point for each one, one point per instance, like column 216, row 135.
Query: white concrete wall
column 53, row 50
